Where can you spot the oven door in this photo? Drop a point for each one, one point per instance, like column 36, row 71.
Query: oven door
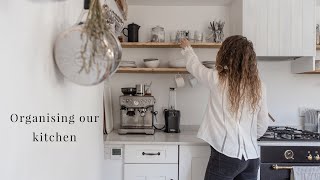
column 268, row 172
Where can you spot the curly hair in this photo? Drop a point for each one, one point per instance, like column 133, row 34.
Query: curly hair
column 236, row 64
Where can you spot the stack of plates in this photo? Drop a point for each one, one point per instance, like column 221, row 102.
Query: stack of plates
column 131, row 64
column 209, row 64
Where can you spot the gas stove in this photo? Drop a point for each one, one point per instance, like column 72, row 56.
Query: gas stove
column 278, row 160
column 283, row 133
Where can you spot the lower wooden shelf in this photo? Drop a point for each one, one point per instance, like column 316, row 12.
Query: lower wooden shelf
column 153, row 70
column 167, row 45
column 318, row 47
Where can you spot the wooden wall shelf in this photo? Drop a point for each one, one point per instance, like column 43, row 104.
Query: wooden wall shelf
column 153, row 70
column 318, row 47
column 167, row 45
column 312, row 72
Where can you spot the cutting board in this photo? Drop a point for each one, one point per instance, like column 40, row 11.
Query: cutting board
column 108, row 115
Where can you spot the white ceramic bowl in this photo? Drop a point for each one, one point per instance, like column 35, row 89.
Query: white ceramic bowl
column 152, row 64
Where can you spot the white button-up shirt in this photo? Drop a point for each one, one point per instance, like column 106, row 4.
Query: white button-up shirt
column 235, row 137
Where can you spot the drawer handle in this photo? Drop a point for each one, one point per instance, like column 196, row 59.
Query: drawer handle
column 151, row 154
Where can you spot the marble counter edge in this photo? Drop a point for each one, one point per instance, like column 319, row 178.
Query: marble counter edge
column 184, row 138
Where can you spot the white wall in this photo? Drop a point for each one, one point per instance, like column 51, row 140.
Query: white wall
column 31, row 84
column 286, row 91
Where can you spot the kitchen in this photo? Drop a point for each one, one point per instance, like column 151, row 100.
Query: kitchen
column 287, row 91
column 276, row 73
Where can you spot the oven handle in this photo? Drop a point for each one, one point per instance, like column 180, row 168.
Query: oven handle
column 276, row 167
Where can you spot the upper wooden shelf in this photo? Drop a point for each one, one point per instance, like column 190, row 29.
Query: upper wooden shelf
column 318, row 47
column 179, row 2
column 312, row 72
column 153, row 70
column 167, row 45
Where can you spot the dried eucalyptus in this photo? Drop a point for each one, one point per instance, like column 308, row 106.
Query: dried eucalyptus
column 94, row 31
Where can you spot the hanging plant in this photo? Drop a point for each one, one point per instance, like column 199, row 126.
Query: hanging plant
column 88, row 53
column 94, row 31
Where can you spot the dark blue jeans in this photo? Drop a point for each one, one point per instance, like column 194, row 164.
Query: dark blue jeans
column 222, row 167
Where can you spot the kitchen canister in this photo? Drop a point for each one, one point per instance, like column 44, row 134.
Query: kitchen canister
column 157, row 34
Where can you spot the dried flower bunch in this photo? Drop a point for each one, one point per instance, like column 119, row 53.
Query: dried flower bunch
column 94, row 31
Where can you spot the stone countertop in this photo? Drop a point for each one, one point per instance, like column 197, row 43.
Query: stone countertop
column 186, row 137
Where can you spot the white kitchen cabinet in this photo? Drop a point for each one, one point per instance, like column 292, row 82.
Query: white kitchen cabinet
column 193, row 161
column 151, row 172
column 151, row 162
column 150, row 154
column 276, row 28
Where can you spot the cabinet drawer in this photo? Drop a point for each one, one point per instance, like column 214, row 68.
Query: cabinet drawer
column 151, row 172
column 151, row 154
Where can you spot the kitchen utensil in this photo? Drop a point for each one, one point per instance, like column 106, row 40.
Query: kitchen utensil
column 128, row 64
column 190, row 36
column 318, row 121
column 150, row 59
column 198, row 37
column 271, row 117
column 209, row 64
column 152, row 63
column 140, row 89
column 172, row 99
column 133, row 32
column 178, row 63
column 172, row 116
column 76, row 65
column 136, row 114
column 193, row 81
column 173, row 37
column 108, row 115
column 179, row 80
column 311, row 120
column 147, row 89
column 183, row 34
column 317, row 34
column 172, row 121
column 216, row 28
column 317, row 64
column 129, row 91
column 157, row 34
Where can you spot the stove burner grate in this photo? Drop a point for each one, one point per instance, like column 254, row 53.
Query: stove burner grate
column 283, row 133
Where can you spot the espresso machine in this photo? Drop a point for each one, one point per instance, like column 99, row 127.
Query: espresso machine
column 136, row 114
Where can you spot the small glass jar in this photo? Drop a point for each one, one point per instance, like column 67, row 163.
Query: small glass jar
column 157, row 34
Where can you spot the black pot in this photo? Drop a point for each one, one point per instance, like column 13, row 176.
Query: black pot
column 129, row 91
column 133, row 32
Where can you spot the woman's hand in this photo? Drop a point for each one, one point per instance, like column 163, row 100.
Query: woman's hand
column 184, row 43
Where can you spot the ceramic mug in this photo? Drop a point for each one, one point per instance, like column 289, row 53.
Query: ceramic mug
column 179, row 80
column 193, row 81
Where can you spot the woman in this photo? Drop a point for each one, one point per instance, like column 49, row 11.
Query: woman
column 237, row 112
